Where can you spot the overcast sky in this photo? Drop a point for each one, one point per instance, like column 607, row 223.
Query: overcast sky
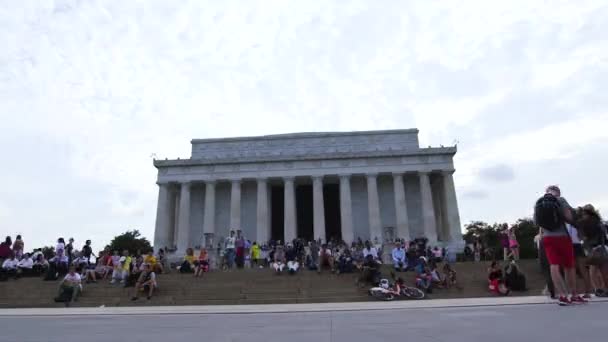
column 89, row 90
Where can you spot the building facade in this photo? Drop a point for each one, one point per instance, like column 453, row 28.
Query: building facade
column 341, row 185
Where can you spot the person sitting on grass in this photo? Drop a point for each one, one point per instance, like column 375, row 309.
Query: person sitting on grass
column 202, row 265
column 424, row 278
column 515, row 280
column 449, row 276
column 187, row 265
column 70, row 287
column 25, row 266
column 496, row 282
column 146, row 283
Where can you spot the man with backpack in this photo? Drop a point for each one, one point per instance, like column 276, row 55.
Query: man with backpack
column 551, row 213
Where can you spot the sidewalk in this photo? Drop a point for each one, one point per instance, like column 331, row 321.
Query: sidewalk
column 286, row 308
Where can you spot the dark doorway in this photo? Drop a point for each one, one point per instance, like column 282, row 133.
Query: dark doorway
column 304, row 212
column 331, row 200
column 277, row 213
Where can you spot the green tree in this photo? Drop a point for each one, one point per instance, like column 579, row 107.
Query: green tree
column 130, row 241
column 525, row 231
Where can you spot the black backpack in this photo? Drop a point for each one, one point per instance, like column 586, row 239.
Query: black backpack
column 547, row 213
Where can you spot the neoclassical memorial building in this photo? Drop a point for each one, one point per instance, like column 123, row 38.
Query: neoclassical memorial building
column 342, row 185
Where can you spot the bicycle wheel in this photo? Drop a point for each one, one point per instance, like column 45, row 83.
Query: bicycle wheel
column 381, row 295
column 413, row 293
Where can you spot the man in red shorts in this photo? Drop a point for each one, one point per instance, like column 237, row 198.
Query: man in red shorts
column 559, row 250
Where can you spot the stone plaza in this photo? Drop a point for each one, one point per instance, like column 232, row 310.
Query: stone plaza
column 376, row 185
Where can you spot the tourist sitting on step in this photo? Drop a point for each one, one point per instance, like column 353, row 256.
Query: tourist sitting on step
column 25, row 266
column 345, row 262
column 70, row 287
column 41, row 265
column 146, row 283
column 58, row 266
column 187, row 265
column 122, row 269
column 370, row 250
column 9, row 267
column 292, row 259
column 313, row 256
column 399, row 260
column 151, row 260
column 99, row 271
column 325, row 259
column 202, row 264
column 279, row 259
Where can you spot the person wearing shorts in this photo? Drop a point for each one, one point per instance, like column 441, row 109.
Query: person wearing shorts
column 580, row 259
column 560, row 253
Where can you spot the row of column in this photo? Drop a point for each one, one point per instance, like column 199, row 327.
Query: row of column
column 163, row 219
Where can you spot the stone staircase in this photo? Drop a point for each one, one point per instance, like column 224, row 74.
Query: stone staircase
column 249, row 286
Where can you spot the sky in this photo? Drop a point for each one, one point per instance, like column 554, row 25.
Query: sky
column 91, row 91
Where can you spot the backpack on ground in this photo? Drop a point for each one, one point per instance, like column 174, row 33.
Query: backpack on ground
column 547, row 213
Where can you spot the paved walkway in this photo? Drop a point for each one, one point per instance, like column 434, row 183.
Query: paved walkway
column 285, row 308
column 497, row 323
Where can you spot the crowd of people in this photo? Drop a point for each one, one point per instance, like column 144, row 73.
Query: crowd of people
column 570, row 241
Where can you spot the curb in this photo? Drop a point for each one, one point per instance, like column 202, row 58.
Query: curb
column 285, row 308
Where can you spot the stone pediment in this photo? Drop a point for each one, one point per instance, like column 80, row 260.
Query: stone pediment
column 301, row 145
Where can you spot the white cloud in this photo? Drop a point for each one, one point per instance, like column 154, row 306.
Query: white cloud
column 89, row 90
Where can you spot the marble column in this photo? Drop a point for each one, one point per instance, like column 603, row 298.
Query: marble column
column 403, row 228
column 176, row 196
column 183, row 234
column 428, row 210
column 451, row 205
column 318, row 208
column 162, row 231
column 209, row 212
column 262, row 221
column 290, row 209
column 373, row 208
column 346, row 210
column 235, row 205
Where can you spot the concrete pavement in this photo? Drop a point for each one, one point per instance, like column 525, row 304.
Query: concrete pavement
column 496, row 323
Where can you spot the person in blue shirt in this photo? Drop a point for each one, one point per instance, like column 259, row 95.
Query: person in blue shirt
column 399, row 260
